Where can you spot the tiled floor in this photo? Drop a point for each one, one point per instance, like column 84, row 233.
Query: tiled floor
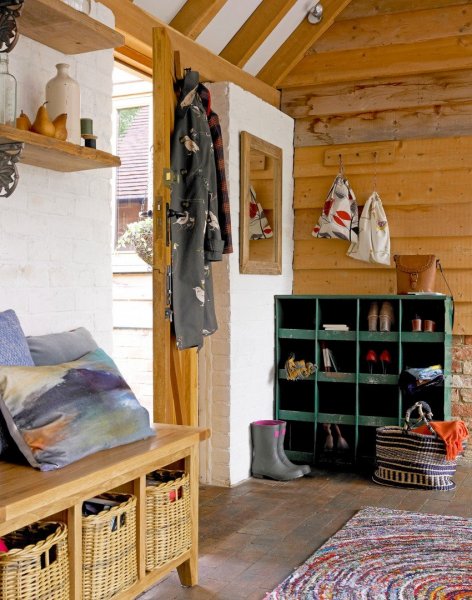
column 253, row 535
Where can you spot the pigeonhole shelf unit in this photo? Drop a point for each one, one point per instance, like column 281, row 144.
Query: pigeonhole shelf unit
column 332, row 415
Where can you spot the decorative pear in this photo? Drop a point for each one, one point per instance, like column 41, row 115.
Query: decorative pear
column 60, row 125
column 23, row 122
column 43, row 124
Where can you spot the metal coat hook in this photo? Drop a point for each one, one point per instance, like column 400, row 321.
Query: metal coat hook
column 341, row 165
column 375, row 172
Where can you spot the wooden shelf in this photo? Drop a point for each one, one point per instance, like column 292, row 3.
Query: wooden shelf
column 59, row 26
column 49, row 153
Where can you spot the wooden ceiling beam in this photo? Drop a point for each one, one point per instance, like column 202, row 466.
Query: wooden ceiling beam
column 446, row 54
column 369, row 8
column 195, row 15
column 408, row 27
column 301, row 40
column 254, row 31
column 137, row 25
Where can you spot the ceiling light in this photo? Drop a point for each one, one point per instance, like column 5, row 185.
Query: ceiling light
column 316, row 14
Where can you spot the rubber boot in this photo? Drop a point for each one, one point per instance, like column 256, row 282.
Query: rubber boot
column 266, row 461
column 283, row 457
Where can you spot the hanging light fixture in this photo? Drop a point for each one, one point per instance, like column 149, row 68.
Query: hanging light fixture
column 315, row 14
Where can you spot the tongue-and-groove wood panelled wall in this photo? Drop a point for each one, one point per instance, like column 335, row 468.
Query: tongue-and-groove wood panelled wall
column 390, row 89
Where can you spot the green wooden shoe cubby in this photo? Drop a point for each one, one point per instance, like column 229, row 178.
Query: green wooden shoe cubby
column 352, row 398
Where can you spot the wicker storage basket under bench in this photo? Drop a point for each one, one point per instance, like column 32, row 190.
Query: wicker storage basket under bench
column 109, row 548
column 37, row 565
column 168, row 524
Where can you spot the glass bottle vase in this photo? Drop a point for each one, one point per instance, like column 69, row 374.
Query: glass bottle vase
column 7, row 93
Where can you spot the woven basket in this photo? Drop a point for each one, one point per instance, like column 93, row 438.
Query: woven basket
column 37, row 566
column 109, row 549
column 168, row 531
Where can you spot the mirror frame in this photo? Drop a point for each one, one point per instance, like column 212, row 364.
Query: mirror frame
column 247, row 264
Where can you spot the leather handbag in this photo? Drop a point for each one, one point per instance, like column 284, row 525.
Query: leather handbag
column 415, row 272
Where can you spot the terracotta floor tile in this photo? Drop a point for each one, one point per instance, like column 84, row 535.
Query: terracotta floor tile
column 253, row 535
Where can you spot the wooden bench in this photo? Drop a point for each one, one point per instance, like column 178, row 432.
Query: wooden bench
column 27, row 495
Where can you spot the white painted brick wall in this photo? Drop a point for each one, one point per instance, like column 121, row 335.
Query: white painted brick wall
column 236, row 365
column 55, row 230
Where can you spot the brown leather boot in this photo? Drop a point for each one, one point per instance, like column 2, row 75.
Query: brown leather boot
column 373, row 316
column 386, row 316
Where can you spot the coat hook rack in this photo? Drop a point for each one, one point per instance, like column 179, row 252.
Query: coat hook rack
column 10, row 10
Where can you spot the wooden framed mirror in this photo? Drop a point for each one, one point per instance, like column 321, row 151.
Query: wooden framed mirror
column 260, row 220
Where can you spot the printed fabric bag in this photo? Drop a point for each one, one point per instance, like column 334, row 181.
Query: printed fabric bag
column 413, row 460
column 259, row 228
column 339, row 219
column 373, row 244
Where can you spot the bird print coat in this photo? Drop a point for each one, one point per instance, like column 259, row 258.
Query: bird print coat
column 195, row 231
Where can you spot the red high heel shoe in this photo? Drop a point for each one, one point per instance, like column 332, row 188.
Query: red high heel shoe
column 371, row 359
column 385, row 359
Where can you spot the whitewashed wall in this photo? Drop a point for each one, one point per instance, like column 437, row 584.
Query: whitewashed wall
column 236, row 366
column 55, row 233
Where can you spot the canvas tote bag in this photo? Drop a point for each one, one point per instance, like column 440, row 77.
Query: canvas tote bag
column 339, row 218
column 373, row 244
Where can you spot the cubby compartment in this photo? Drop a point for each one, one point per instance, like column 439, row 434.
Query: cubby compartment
column 356, row 394
column 297, row 314
column 378, row 305
column 339, row 399
column 335, row 445
column 301, row 349
column 297, row 395
column 377, row 402
column 423, row 309
column 337, row 311
column 416, row 354
column 299, row 437
column 378, row 358
column 434, row 396
column 337, row 356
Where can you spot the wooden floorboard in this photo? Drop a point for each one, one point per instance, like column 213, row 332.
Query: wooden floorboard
column 253, row 535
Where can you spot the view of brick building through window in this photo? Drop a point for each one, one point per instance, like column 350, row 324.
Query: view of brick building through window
column 132, row 278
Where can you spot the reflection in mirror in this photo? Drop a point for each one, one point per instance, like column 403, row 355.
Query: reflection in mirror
column 260, row 237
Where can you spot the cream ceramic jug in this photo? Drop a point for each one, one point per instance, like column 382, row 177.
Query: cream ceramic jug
column 63, row 96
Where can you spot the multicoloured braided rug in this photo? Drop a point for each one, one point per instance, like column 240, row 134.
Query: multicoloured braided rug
column 384, row 554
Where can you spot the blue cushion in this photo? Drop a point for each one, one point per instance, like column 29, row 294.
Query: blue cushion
column 59, row 414
column 13, row 346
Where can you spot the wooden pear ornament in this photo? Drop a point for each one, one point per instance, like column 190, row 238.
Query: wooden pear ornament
column 23, row 122
column 60, row 125
column 43, row 124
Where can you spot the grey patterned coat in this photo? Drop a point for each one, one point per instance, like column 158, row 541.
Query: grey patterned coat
column 195, row 232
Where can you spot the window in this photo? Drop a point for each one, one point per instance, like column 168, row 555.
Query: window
column 133, row 144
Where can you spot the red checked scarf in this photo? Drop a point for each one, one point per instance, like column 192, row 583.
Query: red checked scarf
column 224, row 215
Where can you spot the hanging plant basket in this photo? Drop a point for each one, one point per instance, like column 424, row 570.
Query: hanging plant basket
column 139, row 235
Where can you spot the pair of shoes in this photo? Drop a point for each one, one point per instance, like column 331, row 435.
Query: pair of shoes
column 384, row 358
column 384, row 317
column 341, row 443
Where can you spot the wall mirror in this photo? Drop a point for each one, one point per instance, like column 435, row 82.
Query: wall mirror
column 260, row 221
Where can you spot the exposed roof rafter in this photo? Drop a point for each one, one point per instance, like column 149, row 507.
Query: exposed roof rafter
column 301, row 40
column 255, row 30
column 195, row 15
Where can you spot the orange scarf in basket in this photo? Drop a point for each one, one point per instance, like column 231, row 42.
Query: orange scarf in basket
column 453, row 433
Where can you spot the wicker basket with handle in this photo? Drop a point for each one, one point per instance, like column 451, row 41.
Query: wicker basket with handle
column 109, row 561
column 37, row 566
column 168, row 526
